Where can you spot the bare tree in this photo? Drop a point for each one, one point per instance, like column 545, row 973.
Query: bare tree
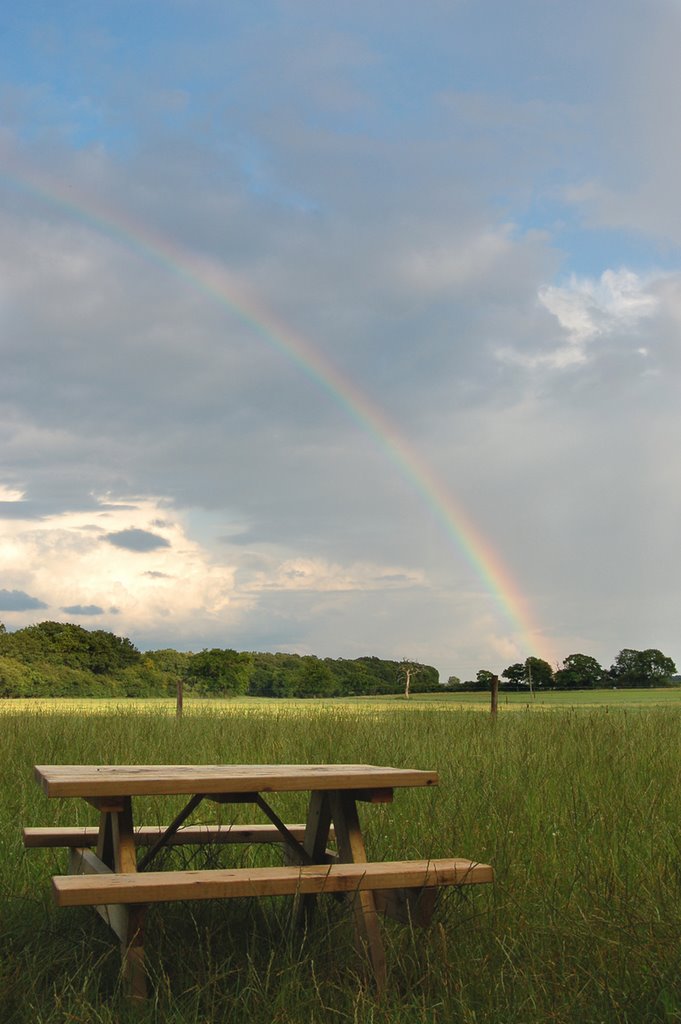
column 409, row 669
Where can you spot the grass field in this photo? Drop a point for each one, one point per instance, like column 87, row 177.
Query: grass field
column 578, row 810
column 663, row 697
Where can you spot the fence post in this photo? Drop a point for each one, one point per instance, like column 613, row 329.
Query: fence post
column 494, row 703
column 180, row 696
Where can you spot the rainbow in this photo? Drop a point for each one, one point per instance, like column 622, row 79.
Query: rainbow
column 219, row 285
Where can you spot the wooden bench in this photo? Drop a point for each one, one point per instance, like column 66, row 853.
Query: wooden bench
column 147, row 835
column 107, row 887
column 403, row 890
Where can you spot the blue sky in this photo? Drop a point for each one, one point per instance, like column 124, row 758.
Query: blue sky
column 470, row 209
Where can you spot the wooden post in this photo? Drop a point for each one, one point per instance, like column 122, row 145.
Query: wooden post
column 317, row 829
column 351, row 850
column 180, row 695
column 494, row 703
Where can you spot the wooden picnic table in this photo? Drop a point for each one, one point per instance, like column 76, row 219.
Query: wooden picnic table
column 105, row 870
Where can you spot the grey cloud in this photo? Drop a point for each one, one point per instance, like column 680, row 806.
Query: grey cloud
column 240, row 539
column 18, row 601
column 136, row 540
column 84, row 609
column 20, row 510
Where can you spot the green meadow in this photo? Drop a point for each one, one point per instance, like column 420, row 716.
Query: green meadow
column 578, row 810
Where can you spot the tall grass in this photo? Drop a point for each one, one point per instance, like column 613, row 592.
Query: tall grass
column 578, row 811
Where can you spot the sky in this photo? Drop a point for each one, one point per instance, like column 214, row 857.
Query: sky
column 343, row 329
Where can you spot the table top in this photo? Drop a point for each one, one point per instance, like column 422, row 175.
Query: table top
column 167, row 779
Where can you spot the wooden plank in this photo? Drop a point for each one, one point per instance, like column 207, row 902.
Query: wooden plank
column 85, row 862
column 107, row 804
column 126, row 922
column 146, row 835
column 317, row 829
column 132, row 939
column 165, row 886
column 132, row 952
column 350, row 844
column 125, row 855
column 105, row 839
column 92, row 781
column 374, row 796
column 231, row 798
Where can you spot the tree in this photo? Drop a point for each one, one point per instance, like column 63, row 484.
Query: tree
column 314, row 678
column 516, row 675
column 453, row 683
column 579, row 672
column 64, row 643
column 538, row 672
column 533, row 672
column 170, row 661
column 219, row 672
column 107, row 652
column 408, row 670
column 642, row 668
column 484, row 679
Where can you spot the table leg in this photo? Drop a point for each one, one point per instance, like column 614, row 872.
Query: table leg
column 116, row 849
column 351, row 849
column 125, row 855
column 317, row 827
column 105, row 848
column 132, row 944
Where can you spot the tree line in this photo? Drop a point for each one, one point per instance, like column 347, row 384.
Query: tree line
column 630, row 669
column 55, row 659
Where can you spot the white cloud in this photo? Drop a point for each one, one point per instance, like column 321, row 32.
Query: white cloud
column 588, row 309
column 64, row 560
column 10, row 494
column 321, row 576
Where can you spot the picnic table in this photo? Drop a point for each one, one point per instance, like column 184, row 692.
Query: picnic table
column 109, row 863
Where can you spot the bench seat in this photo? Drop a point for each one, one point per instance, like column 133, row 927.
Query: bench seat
column 164, row 886
column 146, row 835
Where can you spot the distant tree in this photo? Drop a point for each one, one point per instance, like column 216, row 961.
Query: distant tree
column 484, row 679
column 516, row 676
column 314, row 679
column 538, row 673
column 427, row 680
column 579, row 672
column 408, row 670
column 651, row 667
column 107, row 652
column 264, row 676
column 453, row 683
column 168, row 660
column 381, row 676
column 219, row 672
column 64, row 643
